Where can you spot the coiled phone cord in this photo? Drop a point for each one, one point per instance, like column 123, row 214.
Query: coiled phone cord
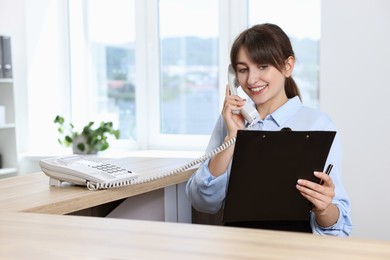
column 139, row 180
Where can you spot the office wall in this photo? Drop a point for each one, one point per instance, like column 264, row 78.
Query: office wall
column 355, row 90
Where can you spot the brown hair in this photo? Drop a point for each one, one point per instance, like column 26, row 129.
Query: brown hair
column 267, row 44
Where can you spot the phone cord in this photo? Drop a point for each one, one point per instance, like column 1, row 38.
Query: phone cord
column 203, row 158
column 102, row 185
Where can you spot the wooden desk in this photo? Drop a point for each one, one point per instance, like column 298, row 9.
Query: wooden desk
column 42, row 236
column 32, row 193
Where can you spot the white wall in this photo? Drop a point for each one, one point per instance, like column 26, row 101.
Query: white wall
column 47, row 68
column 12, row 23
column 355, row 91
column 355, row 57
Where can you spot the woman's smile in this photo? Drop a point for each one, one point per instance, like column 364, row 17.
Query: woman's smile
column 257, row 90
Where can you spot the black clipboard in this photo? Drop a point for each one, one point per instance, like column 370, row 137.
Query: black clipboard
column 265, row 168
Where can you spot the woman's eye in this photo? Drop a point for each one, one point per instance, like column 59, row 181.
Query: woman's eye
column 243, row 70
column 263, row 67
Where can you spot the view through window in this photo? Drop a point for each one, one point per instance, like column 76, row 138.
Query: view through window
column 110, row 41
column 188, row 33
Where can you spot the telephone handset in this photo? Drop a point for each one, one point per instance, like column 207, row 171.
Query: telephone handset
column 248, row 111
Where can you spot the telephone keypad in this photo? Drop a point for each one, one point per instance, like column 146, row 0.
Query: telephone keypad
column 111, row 169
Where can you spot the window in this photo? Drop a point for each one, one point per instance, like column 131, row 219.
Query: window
column 301, row 20
column 157, row 68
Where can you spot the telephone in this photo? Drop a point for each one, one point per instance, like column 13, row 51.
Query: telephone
column 248, row 111
column 84, row 171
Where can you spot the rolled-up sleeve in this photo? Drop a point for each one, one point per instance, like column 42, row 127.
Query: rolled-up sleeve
column 342, row 228
column 205, row 191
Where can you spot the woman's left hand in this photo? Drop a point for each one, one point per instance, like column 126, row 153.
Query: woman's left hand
column 320, row 195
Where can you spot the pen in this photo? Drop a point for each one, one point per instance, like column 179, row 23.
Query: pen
column 327, row 171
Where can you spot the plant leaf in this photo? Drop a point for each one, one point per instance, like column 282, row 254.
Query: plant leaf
column 68, row 139
column 81, row 147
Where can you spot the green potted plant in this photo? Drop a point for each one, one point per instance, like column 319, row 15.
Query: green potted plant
column 90, row 140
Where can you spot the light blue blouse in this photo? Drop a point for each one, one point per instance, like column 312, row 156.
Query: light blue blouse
column 207, row 193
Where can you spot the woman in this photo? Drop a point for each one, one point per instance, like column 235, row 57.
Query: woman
column 263, row 60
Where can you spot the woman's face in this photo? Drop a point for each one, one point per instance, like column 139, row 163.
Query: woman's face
column 263, row 83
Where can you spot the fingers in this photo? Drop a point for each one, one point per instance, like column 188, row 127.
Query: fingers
column 314, row 189
column 325, row 181
column 324, row 178
column 320, row 196
column 233, row 102
column 319, row 201
column 231, row 112
column 227, row 91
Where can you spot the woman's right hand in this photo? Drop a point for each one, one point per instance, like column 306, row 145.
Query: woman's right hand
column 234, row 121
column 231, row 113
